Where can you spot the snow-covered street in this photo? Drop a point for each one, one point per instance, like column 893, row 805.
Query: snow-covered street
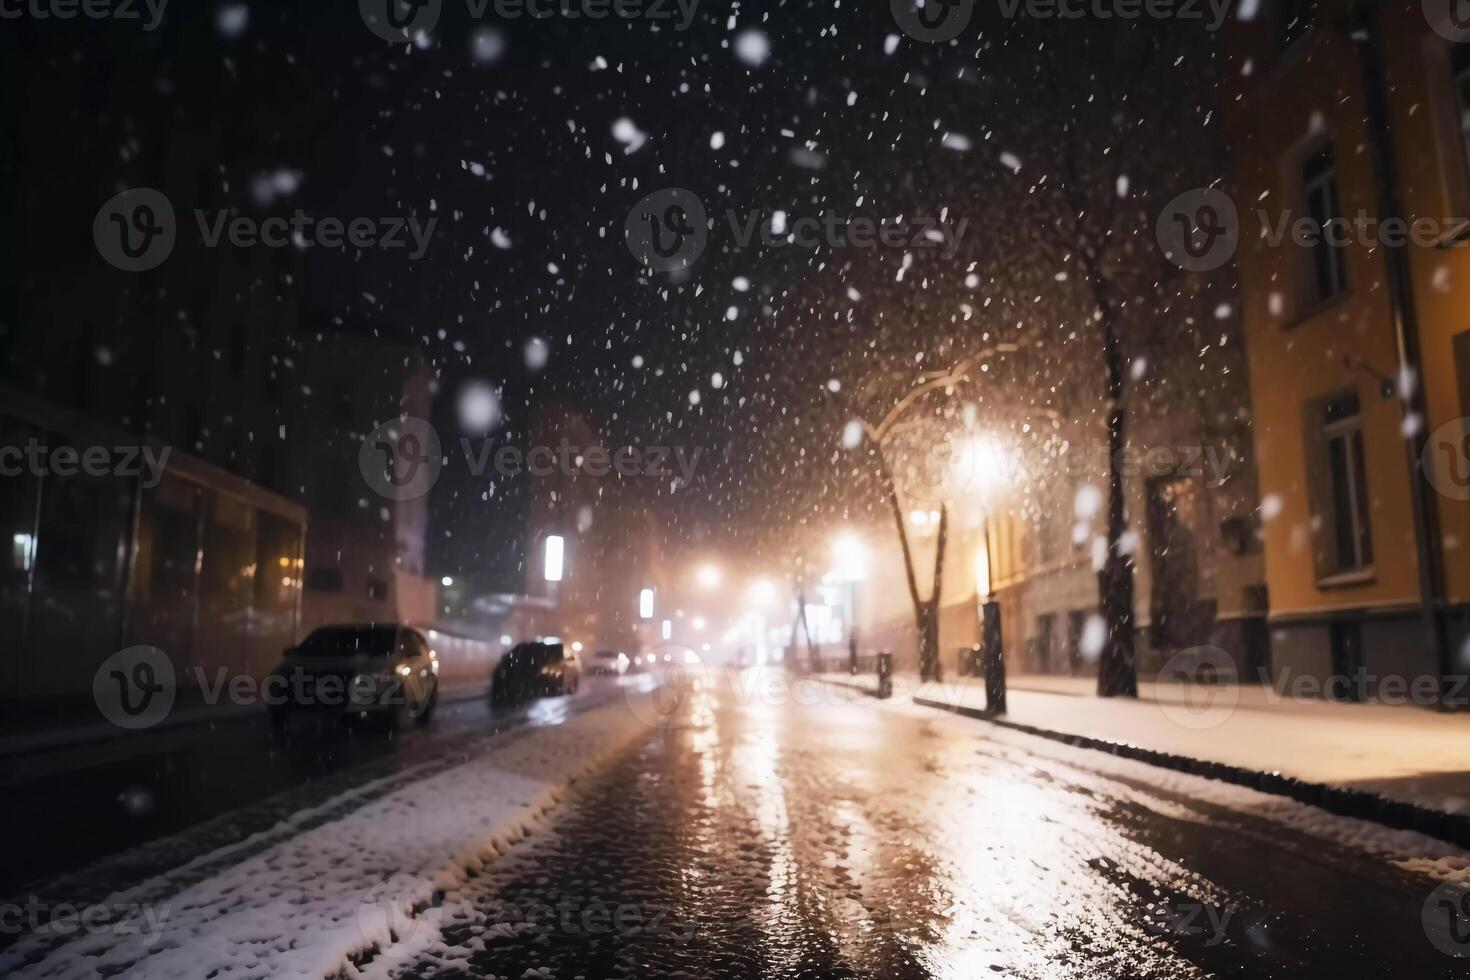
column 732, row 825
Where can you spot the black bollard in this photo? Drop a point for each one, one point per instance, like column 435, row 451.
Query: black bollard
column 885, row 675
column 970, row 661
column 993, row 660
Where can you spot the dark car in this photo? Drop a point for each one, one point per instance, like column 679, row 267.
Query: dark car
column 536, row 669
column 610, row 662
column 379, row 670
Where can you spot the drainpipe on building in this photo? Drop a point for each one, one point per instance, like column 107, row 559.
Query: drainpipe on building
column 1366, row 35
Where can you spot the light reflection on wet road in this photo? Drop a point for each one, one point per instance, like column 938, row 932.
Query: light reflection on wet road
column 760, row 837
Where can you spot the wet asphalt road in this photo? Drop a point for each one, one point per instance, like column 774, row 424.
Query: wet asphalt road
column 765, row 837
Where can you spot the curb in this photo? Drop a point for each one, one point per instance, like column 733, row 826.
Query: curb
column 1452, row 828
column 870, row 692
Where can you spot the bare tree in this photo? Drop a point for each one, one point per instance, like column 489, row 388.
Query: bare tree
column 879, row 438
column 1105, row 114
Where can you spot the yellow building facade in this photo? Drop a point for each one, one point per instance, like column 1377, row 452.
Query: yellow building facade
column 1337, row 115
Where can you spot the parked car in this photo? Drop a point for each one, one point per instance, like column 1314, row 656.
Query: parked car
column 380, row 670
column 613, row 662
column 535, row 669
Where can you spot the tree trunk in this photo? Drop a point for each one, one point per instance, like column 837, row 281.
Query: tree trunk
column 926, row 611
column 929, row 642
column 928, row 616
column 1117, row 672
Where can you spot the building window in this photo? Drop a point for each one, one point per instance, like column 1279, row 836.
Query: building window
column 1460, row 67
column 377, row 589
column 1347, row 485
column 1461, row 344
column 1319, row 193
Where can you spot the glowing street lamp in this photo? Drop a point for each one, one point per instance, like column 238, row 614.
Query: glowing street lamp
column 555, row 550
column 762, row 592
column 982, row 566
column 850, row 566
column 991, row 472
column 990, row 467
column 849, row 558
column 708, row 576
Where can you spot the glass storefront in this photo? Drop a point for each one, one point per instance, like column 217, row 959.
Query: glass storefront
column 200, row 564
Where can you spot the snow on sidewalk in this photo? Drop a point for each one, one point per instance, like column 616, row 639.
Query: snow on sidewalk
column 307, row 905
column 1406, row 753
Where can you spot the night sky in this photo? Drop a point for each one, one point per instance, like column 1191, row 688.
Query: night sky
column 530, row 141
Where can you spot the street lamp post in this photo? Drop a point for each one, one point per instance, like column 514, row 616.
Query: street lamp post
column 850, row 557
column 992, row 651
column 762, row 594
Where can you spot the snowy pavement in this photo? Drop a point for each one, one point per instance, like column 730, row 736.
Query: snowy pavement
column 193, row 789
column 306, row 902
column 752, row 824
column 1405, row 753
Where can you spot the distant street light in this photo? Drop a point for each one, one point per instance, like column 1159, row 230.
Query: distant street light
column 849, row 558
column 991, row 467
column 849, row 567
column 554, row 552
column 708, row 576
column 762, row 592
column 446, row 581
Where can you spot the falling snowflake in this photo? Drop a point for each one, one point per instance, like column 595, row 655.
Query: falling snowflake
column 752, row 47
column 537, row 352
column 626, row 132
column 487, row 46
column 232, row 19
column 478, row 407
